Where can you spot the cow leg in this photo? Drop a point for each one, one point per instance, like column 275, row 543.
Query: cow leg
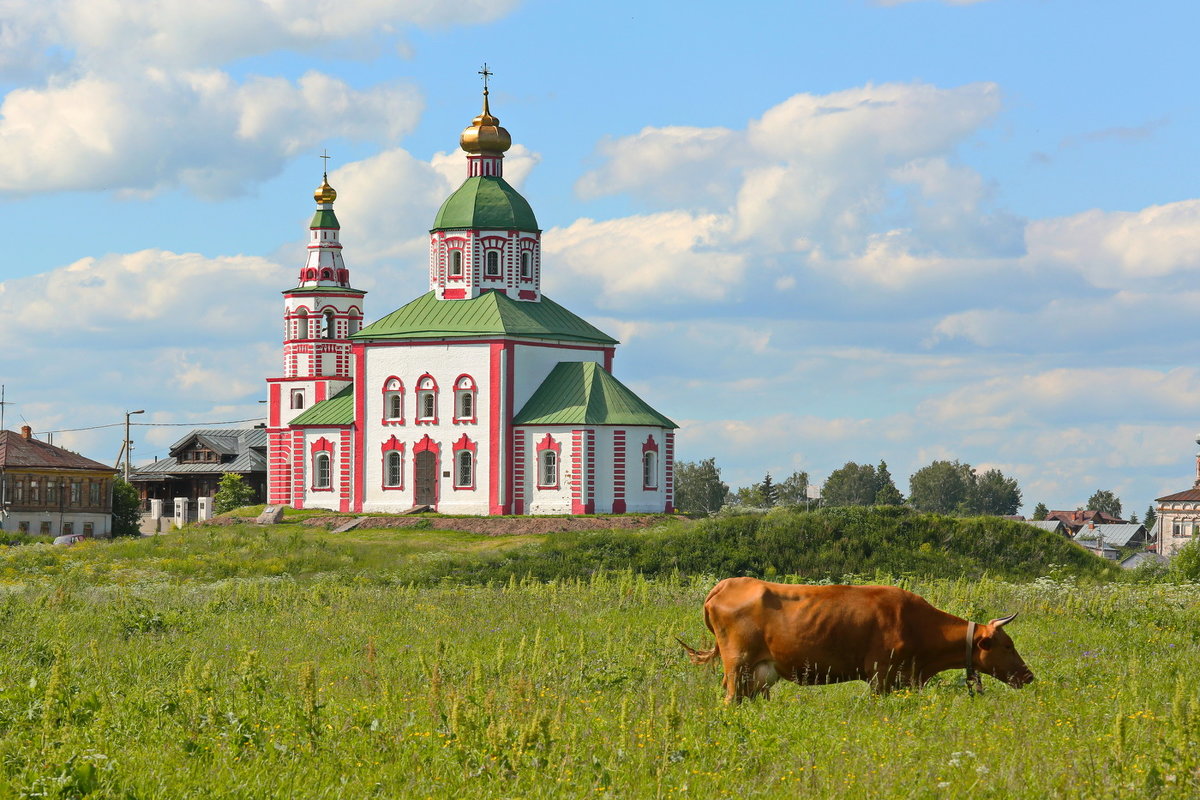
column 733, row 677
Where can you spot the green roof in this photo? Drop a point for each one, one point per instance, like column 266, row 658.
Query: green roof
column 583, row 393
column 325, row 218
column 486, row 201
column 337, row 410
column 490, row 313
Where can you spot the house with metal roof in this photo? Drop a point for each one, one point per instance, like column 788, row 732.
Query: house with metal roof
column 50, row 491
column 197, row 462
column 1178, row 516
column 1107, row 540
column 481, row 396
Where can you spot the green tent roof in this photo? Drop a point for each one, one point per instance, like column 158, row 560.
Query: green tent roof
column 583, row 393
column 490, row 313
column 325, row 218
column 486, row 201
column 337, row 410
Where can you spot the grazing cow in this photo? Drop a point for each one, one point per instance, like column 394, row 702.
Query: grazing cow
column 884, row 635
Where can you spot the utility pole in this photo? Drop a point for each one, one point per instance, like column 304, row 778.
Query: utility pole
column 2, row 405
column 128, row 442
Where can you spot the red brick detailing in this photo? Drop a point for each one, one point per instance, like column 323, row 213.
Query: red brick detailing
column 297, row 469
column 618, row 472
column 392, row 445
column 526, row 294
column 518, row 460
column 278, row 468
column 322, row 445
column 454, row 294
column 583, row 472
column 360, row 424
column 650, row 446
column 344, row 478
column 669, row 464
column 608, row 359
column 548, row 443
column 275, row 396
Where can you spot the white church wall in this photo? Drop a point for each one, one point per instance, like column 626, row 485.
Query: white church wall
column 552, row 499
column 445, row 363
column 315, row 497
column 638, row 498
column 532, row 363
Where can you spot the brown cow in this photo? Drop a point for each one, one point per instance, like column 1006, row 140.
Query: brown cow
column 884, row 635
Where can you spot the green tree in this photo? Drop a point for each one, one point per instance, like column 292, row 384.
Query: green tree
column 749, row 496
column 994, row 495
column 1040, row 511
column 698, row 487
column 1151, row 517
column 851, row 485
column 1106, row 501
column 886, row 493
column 769, row 491
column 232, row 492
column 126, row 509
column 793, row 491
column 943, row 487
column 1185, row 564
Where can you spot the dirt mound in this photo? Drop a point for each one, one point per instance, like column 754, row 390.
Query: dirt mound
column 499, row 526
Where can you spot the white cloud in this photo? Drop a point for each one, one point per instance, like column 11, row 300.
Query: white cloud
column 202, row 130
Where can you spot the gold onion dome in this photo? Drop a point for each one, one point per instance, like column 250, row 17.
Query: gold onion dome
column 485, row 134
column 324, row 193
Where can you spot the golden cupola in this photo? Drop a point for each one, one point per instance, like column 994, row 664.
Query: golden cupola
column 325, row 193
column 485, row 136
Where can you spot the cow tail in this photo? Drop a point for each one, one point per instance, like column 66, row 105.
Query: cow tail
column 699, row 656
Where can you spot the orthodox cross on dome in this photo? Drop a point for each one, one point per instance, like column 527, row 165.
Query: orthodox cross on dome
column 486, row 74
column 325, row 167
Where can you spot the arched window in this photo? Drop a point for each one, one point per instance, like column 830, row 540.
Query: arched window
column 464, row 473
column 352, row 326
column 427, row 392
column 650, row 469
column 302, row 324
column 321, row 477
column 393, row 466
column 330, row 325
column 548, row 469
column 493, row 264
column 326, row 274
column 393, row 400
column 526, row 265
column 297, row 398
column 456, row 263
column 464, row 399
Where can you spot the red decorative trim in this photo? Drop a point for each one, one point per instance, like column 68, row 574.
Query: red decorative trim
column 509, row 411
column 393, row 385
column 464, row 444
column 392, row 445
column 344, row 473
column 275, row 393
column 650, row 446
column 319, row 392
column 297, row 469
column 517, row 453
column 527, row 294
column 495, row 387
column 422, row 387
column 618, row 505
column 360, row 417
column 583, row 478
column 454, row 294
column 320, row 446
column 608, row 359
column 473, row 390
column 428, row 444
column 548, row 443
column 669, row 464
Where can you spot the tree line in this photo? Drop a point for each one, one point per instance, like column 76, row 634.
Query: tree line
column 943, row 487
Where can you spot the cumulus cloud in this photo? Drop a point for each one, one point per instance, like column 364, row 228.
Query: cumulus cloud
column 202, row 130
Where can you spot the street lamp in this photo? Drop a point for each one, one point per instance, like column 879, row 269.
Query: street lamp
column 128, row 444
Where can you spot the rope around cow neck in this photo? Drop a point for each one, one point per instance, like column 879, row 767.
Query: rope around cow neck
column 974, row 682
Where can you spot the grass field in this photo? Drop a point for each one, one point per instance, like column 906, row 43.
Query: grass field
column 287, row 664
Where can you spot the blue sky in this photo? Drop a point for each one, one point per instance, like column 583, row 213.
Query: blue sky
column 825, row 231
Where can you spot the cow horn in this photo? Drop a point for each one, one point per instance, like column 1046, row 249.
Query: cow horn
column 1000, row 623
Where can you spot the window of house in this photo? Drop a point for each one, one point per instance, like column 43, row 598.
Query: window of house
column 464, row 474
column 302, row 324
column 464, row 399
column 427, row 399
column 76, row 492
column 548, row 469
column 68, row 528
column 94, row 493
column 23, row 527
column 89, row 529
column 45, row 529
column 20, row 492
column 493, row 264
column 650, row 470
column 456, row 263
column 321, row 477
column 393, row 400
column 297, row 398
column 52, row 493
column 35, row 492
column 393, row 464
column 526, row 265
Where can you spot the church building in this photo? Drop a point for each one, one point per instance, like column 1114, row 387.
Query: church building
column 482, row 396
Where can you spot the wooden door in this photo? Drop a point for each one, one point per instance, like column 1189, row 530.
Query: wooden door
column 426, row 479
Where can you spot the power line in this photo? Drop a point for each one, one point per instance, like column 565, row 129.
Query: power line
column 156, row 425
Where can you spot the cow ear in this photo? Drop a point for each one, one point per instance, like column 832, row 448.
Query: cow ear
column 985, row 643
column 1000, row 623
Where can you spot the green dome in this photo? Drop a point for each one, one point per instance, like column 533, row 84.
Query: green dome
column 486, row 201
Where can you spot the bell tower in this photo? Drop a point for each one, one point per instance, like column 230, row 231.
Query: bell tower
column 320, row 315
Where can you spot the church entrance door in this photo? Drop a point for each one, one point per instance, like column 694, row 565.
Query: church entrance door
column 426, row 479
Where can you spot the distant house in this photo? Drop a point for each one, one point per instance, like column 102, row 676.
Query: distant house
column 1074, row 520
column 1108, row 540
column 1052, row 525
column 1142, row 557
column 50, row 491
column 1178, row 517
column 199, row 460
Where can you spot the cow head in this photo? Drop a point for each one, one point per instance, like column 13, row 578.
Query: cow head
column 996, row 655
